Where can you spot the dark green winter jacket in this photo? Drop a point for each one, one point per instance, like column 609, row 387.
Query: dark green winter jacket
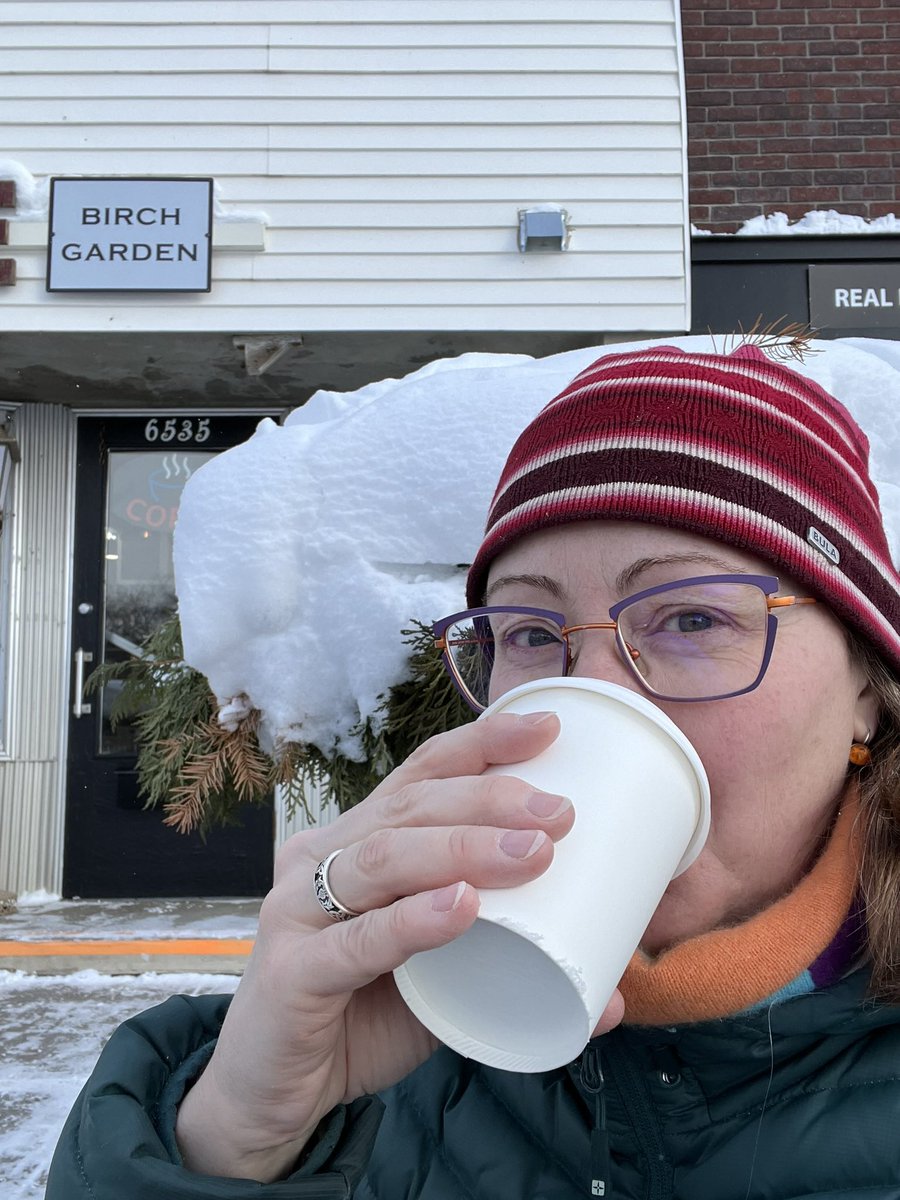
column 799, row 1099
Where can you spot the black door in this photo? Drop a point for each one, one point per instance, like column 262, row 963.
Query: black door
column 129, row 477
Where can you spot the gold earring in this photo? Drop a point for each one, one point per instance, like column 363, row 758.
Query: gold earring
column 860, row 754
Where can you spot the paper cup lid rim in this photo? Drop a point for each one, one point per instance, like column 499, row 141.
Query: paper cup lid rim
column 469, row 1046
column 646, row 708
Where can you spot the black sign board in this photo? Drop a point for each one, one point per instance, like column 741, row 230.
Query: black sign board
column 855, row 295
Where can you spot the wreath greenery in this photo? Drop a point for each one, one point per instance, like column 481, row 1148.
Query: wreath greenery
column 200, row 772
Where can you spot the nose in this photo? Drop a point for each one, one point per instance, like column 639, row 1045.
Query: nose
column 595, row 655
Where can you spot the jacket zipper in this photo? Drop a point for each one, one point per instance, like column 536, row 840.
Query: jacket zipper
column 633, row 1091
column 591, row 1075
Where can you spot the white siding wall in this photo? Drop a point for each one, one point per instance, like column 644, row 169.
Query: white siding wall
column 31, row 808
column 389, row 142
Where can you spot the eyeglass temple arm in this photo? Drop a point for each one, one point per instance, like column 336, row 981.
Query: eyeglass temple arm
column 787, row 601
column 441, row 643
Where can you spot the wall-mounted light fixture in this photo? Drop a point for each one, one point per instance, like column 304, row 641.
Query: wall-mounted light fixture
column 9, row 455
column 263, row 351
column 8, row 437
column 543, row 228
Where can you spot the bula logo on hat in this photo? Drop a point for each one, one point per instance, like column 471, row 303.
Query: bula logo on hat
column 821, row 543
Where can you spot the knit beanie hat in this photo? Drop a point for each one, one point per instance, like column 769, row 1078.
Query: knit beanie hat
column 736, row 447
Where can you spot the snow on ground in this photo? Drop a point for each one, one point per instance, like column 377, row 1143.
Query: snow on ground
column 49, row 919
column 51, row 1032
column 301, row 554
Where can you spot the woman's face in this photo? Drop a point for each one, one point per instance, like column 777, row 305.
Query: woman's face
column 776, row 757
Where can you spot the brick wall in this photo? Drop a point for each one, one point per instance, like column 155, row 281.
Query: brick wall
column 793, row 105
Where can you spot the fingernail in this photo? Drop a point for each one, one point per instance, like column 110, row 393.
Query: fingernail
column 521, row 843
column 536, row 718
column 545, row 804
column 447, row 898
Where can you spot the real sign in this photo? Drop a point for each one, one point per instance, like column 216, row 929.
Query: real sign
column 129, row 235
column 855, row 295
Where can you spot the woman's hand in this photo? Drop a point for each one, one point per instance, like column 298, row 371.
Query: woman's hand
column 317, row 1019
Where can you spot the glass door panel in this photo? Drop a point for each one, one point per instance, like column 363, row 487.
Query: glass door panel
column 143, row 492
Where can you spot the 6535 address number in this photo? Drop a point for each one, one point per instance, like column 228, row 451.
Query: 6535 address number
column 177, row 429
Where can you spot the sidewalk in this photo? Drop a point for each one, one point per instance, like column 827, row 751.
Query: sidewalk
column 129, row 937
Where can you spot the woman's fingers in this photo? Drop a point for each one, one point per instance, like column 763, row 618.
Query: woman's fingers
column 501, row 800
column 393, row 863
column 504, row 738
column 352, row 954
column 493, row 831
column 434, row 821
column 435, row 786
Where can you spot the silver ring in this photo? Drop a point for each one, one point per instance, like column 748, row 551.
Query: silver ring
column 326, row 896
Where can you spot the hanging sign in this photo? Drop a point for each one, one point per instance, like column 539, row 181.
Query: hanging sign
column 855, row 295
column 122, row 234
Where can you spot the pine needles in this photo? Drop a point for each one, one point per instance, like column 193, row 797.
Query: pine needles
column 187, row 764
column 780, row 339
column 200, row 772
column 220, row 769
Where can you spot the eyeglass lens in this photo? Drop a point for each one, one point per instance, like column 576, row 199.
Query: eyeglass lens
column 699, row 641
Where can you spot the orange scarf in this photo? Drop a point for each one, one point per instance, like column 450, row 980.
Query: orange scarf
column 726, row 970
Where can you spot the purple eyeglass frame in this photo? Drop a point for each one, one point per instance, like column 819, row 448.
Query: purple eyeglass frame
column 767, row 584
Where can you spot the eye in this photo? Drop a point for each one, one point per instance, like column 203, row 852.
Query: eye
column 524, row 635
column 531, row 637
column 688, row 621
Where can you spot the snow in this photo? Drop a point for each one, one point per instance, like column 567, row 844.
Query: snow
column 32, row 192
column 301, row 554
column 52, row 1031
column 33, row 197
column 826, row 222
column 52, row 919
column 35, row 898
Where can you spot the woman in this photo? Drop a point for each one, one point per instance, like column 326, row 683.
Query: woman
column 753, row 1048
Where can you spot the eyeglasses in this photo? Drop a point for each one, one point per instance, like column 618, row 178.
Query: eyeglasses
column 707, row 638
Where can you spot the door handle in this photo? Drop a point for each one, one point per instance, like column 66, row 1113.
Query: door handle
column 79, row 708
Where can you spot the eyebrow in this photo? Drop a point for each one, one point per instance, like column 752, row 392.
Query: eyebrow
column 624, row 580
column 544, row 582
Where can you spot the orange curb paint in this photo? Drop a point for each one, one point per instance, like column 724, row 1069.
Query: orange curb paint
column 201, row 946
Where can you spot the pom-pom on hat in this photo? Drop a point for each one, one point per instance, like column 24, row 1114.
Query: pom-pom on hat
column 737, row 447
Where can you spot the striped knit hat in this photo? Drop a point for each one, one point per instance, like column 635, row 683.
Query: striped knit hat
column 736, row 447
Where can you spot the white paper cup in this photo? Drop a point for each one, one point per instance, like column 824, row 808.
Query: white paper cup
column 523, row 989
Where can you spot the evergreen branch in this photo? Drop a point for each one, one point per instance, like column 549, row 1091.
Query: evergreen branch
column 780, row 340
column 185, row 813
column 200, row 774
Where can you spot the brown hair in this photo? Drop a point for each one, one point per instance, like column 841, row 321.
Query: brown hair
column 879, row 788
